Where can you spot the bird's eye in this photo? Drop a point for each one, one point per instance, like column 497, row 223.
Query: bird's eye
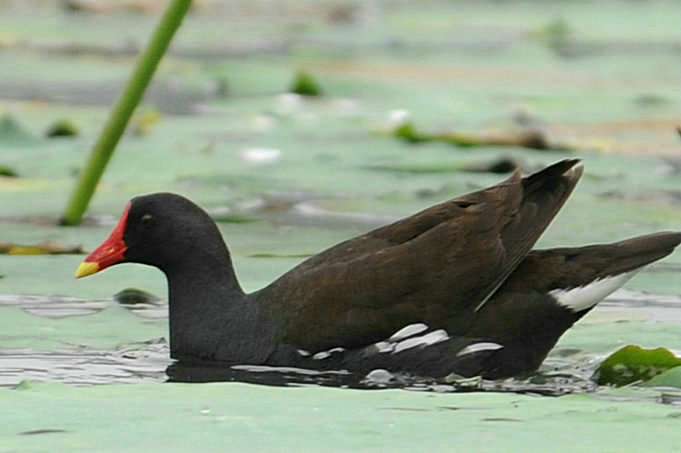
column 147, row 220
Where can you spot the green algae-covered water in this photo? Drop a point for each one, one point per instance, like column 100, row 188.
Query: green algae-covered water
column 288, row 176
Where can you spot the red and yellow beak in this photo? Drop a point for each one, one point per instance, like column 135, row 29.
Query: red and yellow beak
column 110, row 252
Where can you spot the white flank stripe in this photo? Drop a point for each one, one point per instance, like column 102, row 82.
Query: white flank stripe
column 325, row 354
column 384, row 346
column 321, row 355
column 477, row 347
column 408, row 331
column 583, row 297
column 284, row 369
column 428, row 339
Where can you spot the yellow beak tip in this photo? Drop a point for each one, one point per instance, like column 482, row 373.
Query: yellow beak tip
column 86, row 268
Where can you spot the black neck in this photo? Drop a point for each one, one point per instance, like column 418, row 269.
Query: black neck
column 211, row 318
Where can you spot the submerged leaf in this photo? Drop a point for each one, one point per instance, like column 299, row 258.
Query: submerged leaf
column 134, row 296
column 33, row 432
column 633, row 364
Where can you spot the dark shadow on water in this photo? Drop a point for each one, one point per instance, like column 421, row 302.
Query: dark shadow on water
column 545, row 384
column 149, row 362
column 566, row 370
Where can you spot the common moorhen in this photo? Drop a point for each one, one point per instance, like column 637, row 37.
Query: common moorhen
column 451, row 289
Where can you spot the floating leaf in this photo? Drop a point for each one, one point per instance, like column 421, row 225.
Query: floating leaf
column 234, row 218
column 415, row 168
column 557, row 32
column 25, row 384
column 633, row 364
column 305, row 85
column 7, row 171
column 502, row 164
column 143, row 120
column 409, row 134
column 108, row 7
column 279, row 255
column 526, row 138
column 669, row 378
column 62, row 128
column 46, row 248
column 13, row 134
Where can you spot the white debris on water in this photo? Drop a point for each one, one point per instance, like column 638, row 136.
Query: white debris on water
column 261, row 156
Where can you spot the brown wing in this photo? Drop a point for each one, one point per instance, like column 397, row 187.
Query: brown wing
column 520, row 305
column 436, row 266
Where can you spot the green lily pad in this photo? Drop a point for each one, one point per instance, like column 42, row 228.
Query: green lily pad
column 634, row 364
column 107, row 328
column 669, row 378
column 143, row 417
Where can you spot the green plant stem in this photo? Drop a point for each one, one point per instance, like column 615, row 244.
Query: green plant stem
column 122, row 111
